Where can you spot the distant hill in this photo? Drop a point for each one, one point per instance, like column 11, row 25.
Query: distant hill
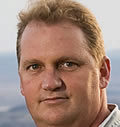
column 114, row 86
column 17, row 115
column 8, row 68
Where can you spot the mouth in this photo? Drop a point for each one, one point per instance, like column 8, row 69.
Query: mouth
column 54, row 100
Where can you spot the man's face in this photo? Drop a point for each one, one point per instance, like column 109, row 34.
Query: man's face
column 59, row 77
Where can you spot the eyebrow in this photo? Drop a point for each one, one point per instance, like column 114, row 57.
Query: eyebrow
column 29, row 62
column 61, row 59
column 65, row 58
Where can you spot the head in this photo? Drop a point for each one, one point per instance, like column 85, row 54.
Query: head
column 62, row 64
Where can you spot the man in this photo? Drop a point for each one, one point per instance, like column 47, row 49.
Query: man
column 63, row 68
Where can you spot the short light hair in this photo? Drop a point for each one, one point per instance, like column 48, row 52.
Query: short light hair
column 55, row 11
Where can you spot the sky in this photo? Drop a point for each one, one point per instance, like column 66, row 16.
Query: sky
column 106, row 12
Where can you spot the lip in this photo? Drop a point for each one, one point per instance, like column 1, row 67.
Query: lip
column 54, row 100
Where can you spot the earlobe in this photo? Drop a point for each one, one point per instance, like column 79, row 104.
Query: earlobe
column 104, row 72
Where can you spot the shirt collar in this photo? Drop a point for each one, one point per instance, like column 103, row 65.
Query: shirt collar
column 113, row 108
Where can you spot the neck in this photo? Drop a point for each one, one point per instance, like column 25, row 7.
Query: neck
column 103, row 113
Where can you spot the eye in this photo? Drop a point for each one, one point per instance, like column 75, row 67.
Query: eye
column 33, row 67
column 68, row 66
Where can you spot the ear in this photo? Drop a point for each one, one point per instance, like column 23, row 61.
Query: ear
column 21, row 89
column 104, row 72
column 21, row 85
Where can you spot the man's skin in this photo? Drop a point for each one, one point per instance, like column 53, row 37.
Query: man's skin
column 61, row 81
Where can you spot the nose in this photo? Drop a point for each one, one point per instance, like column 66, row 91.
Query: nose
column 51, row 82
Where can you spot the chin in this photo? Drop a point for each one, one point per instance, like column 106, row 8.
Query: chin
column 51, row 118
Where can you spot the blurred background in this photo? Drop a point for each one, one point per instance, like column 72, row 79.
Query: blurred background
column 13, row 111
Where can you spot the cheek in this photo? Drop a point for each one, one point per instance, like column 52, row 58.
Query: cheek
column 30, row 86
column 82, row 84
column 84, row 90
column 76, row 80
column 31, row 92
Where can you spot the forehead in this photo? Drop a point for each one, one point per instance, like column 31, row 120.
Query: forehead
column 64, row 28
column 40, row 39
